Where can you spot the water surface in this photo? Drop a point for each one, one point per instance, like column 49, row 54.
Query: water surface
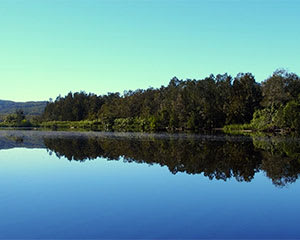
column 105, row 185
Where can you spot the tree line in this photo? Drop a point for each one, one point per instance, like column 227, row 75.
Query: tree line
column 188, row 104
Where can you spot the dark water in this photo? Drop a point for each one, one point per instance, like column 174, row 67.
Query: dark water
column 96, row 185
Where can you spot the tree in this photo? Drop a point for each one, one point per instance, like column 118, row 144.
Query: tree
column 245, row 98
column 291, row 115
column 20, row 115
column 280, row 88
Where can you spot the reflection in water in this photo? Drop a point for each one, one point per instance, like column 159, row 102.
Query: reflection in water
column 280, row 158
column 221, row 158
column 217, row 157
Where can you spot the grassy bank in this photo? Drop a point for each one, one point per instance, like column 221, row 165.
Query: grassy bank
column 237, row 128
column 133, row 125
column 118, row 125
column 24, row 123
column 250, row 128
column 72, row 125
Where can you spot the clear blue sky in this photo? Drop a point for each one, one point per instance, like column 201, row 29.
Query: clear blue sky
column 51, row 47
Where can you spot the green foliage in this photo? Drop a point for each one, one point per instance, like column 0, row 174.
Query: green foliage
column 127, row 125
column 263, row 119
column 73, row 125
column 284, row 117
column 291, row 115
column 245, row 99
column 280, row 88
column 189, row 104
column 73, row 107
column 16, row 119
column 191, row 123
column 237, row 128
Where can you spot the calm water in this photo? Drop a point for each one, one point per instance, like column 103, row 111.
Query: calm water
column 95, row 185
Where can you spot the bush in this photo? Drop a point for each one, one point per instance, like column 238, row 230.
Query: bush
column 263, row 119
column 291, row 115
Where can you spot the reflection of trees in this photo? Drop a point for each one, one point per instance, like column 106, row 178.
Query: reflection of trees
column 215, row 159
column 218, row 159
column 280, row 158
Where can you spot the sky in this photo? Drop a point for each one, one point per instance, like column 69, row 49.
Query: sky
column 52, row 47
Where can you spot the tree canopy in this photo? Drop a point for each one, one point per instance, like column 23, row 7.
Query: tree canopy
column 189, row 104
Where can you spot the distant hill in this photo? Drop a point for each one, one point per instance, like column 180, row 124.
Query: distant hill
column 29, row 108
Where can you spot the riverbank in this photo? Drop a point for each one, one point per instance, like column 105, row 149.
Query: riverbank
column 117, row 125
column 249, row 128
column 148, row 126
column 129, row 125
